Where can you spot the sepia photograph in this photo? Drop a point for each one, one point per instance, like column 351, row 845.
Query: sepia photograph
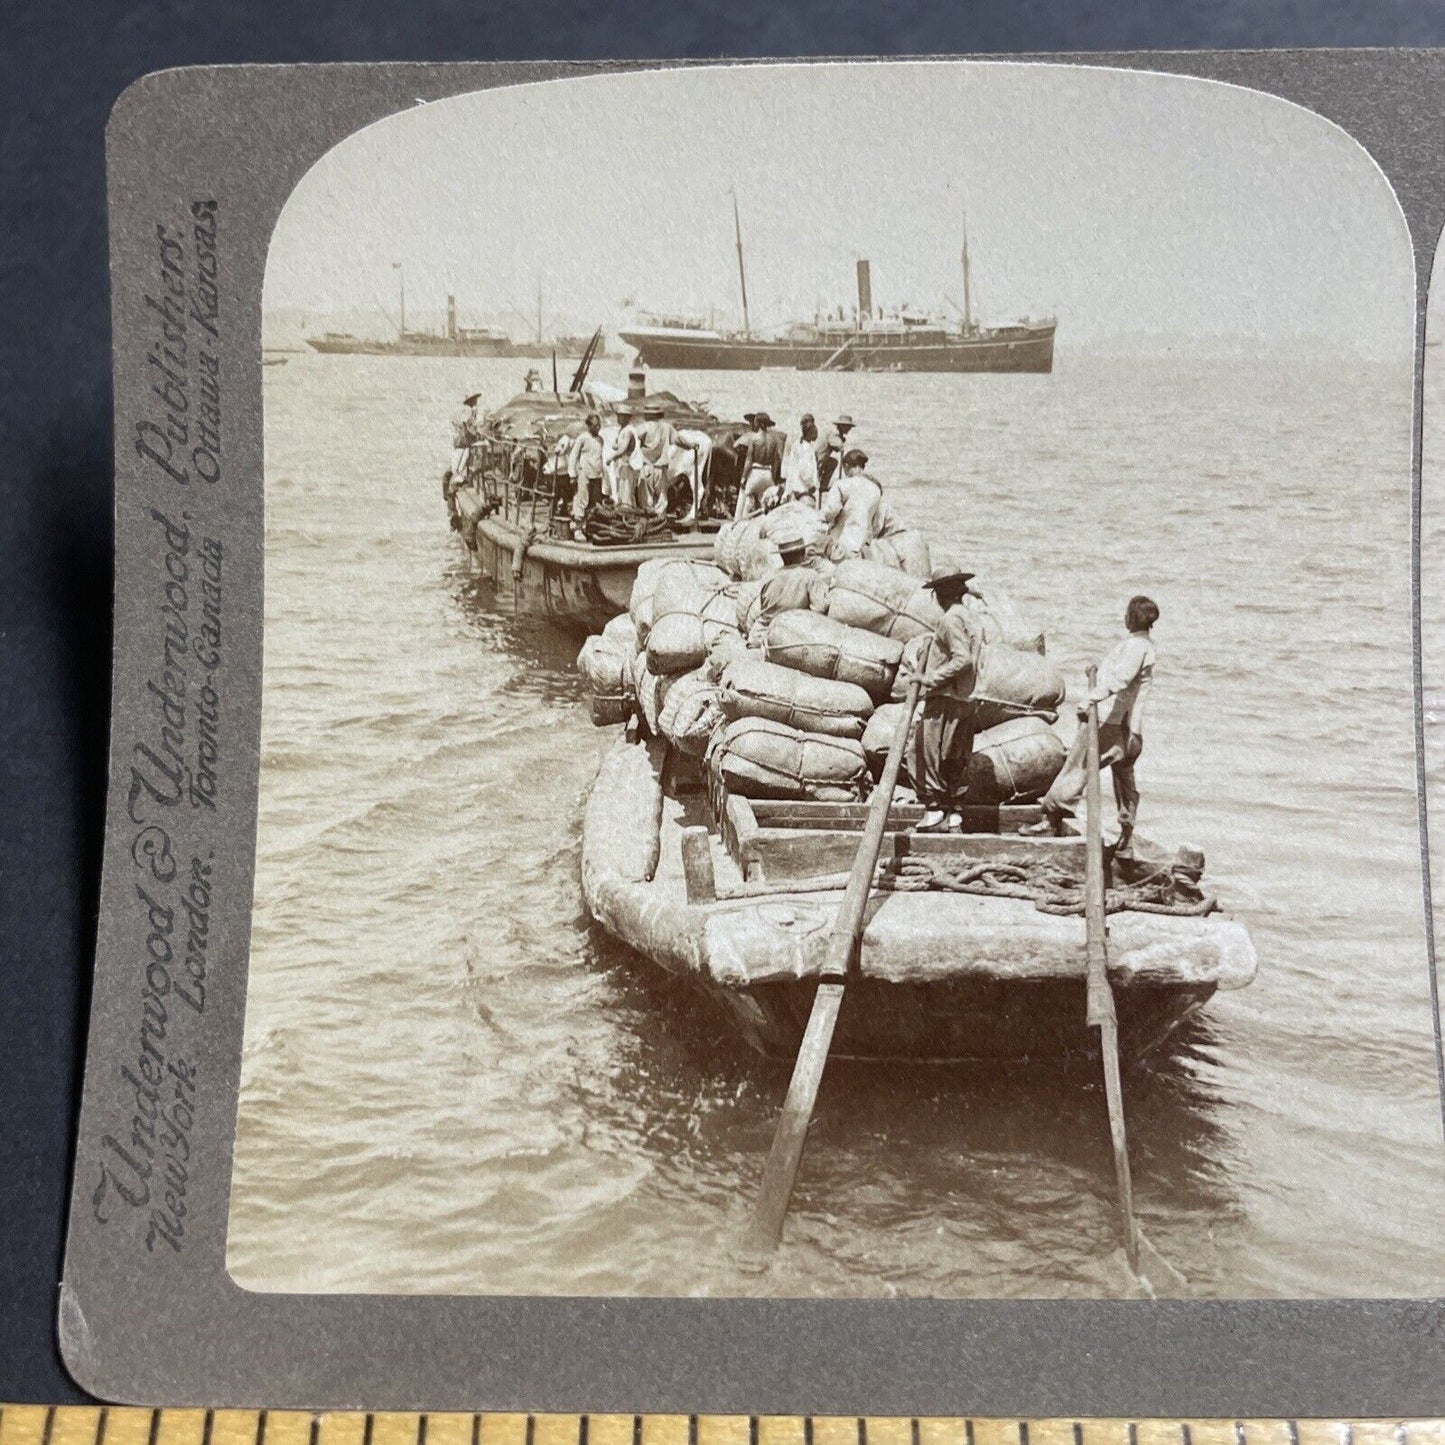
column 838, row 699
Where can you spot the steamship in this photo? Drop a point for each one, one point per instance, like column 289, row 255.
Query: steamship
column 868, row 341
column 454, row 341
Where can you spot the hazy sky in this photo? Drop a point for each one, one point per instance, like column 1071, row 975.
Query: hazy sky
column 1123, row 202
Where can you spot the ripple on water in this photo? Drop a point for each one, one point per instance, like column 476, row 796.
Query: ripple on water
column 451, row 1082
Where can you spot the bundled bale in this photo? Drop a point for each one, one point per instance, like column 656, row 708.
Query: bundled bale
column 801, row 519
column 726, row 649
column 878, row 736
column 686, row 615
column 689, row 711
column 748, row 549
column 621, row 633
column 651, row 693
column 812, row 643
column 914, row 555
column 758, row 758
column 1015, row 762
column 1000, row 621
column 740, row 550
column 606, row 662
column 641, row 606
column 883, row 600
column 755, row 688
column 747, row 601
column 1013, row 684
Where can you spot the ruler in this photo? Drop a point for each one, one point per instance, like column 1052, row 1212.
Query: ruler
column 130, row 1425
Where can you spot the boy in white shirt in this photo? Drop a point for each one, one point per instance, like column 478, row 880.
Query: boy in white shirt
column 1120, row 689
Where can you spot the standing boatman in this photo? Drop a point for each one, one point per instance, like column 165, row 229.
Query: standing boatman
column 830, row 448
column 464, row 436
column 942, row 741
column 800, row 466
column 656, row 441
column 584, row 466
column 621, row 456
column 1123, row 682
column 762, row 465
column 854, row 509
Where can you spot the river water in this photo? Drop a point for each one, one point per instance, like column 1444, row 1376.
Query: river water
column 451, row 1083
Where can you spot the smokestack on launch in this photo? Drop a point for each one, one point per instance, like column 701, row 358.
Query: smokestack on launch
column 865, row 291
column 451, row 317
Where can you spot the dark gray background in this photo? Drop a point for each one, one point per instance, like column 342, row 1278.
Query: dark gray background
column 61, row 68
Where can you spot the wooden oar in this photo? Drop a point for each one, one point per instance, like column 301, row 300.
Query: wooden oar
column 1100, row 1011
column 787, row 1151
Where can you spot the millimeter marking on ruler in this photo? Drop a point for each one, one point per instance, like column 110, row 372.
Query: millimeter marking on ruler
column 135, row 1425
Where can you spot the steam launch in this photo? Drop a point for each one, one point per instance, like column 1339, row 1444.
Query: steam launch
column 869, row 340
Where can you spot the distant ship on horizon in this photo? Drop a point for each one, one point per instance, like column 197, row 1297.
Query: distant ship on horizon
column 455, row 340
column 868, row 341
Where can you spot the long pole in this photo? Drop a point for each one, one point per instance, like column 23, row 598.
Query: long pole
column 539, row 311
column 401, row 281
column 967, row 283
column 1101, row 1013
column 742, row 274
column 841, row 957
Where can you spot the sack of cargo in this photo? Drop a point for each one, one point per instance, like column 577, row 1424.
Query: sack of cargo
column 754, row 688
column 799, row 519
column 999, row 619
column 812, row 643
column 914, row 555
column 652, row 692
column 878, row 736
column 689, row 712
column 747, row 602
column 882, row 600
column 1014, row 684
column 621, row 633
column 606, row 662
column 1014, row 762
column 758, row 758
column 641, row 606
column 732, row 541
column 726, row 649
column 685, row 617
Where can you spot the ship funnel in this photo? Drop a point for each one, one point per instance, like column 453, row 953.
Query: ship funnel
column 451, row 317
column 636, row 383
column 865, row 290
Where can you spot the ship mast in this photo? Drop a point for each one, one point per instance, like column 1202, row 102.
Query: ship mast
column 539, row 309
column 401, row 281
column 967, row 296
column 742, row 274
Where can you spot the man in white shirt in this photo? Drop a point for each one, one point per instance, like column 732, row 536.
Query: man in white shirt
column 584, row 466
column 1120, row 689
column 800, row 466
column 853, row 508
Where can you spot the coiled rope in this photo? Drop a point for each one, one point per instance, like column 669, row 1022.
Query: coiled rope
column 1050, row 888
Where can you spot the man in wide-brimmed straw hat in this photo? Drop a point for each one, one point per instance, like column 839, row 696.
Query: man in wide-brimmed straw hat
column 830, row 448
column 798, row 586
column 942, row 742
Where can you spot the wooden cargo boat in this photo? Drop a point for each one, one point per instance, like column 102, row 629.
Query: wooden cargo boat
column 739, row 897
column 512, row 509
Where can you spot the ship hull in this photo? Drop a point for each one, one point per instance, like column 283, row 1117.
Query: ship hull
column 442, row 347
column 1026, row 350
column 574, row 585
